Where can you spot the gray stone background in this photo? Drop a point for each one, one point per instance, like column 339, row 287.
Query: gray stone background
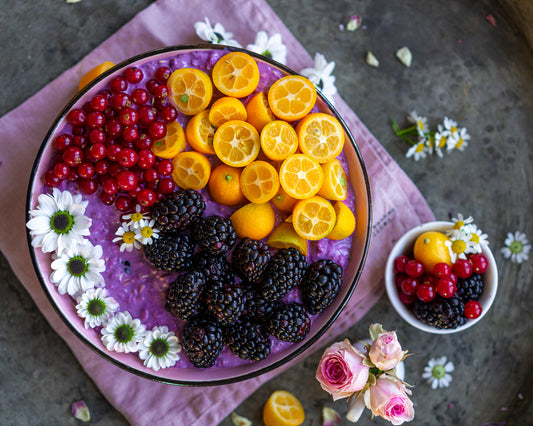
column 463, row 67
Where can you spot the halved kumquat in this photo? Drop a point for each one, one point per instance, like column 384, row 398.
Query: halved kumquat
column 173, row 143
column 259, row 112
column 259, row 181
column 292, row 97
column 335, row 186
column 225, row 109
column 284, row 236
column 236, row 74
column 300, row 176
column 236, row 143
column 283, row 409
column 278, row 140
column 200, row 132
column 191, row 170
column 313, row 218
column 345, row 222
column 93, row 73
column 320, row 136
column 190, row 89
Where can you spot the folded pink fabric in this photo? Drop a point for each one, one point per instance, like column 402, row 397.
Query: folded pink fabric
column 397, row 204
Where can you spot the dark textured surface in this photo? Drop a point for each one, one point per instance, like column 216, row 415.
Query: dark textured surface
column 463, row 67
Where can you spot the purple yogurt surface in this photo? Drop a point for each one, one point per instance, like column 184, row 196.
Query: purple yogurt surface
column 130, row 279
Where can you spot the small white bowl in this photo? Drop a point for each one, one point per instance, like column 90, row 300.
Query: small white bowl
column 405, row 246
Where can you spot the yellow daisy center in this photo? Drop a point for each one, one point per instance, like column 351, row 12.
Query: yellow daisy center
column 129, row 237
column 136, row 217
column 459, row 143
column 475, row 238
column 421, row 125
column 453, row 129
column 442, row 142
column 147, row 232
column 458, row 246
column 420, row 147
column 459, row 224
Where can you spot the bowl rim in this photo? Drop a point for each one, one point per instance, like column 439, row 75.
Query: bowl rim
column 239, row 377
column 405, row 313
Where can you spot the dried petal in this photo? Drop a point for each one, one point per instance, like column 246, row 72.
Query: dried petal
column 330, row 417
column 73, row 1
column 405, row 56
column 81, row 411
column 372, row 60
column 490, row 17
column 354, row 23
column 240, row 420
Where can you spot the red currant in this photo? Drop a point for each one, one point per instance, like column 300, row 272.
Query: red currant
column 120, row 100
column 165, row 168
column 76, row 117
column 118, row 84
column 479, row 262
column 115, row 169
column 62, row 142
column 97, row 136
column 140, row 96
column 446, row 288
column 147, row 114
column 405, row 299
column 110, row 186
column 146, row 197
column 113, row 152
column 123, row 203
column 95, row 120
column 61, row 170
column 113, row 128
column 152, row 84
column 101, row 167
column 128, row 116
column 398, row 279
column 107, row 199
column 86, row 170
column 143, row 142
column 130, row 134
column 462, row 268
column 169, row 113
column 128, row 158
column 442, row 269
column 133, row 75
column 160, row 92
column 426, row 292
column 167, row 186
column 409, row 286
column 473, row 309
column 51, row 180
column 414, row 268
column 73, row 156
column 452, row 277
column 151, row 175
column 157, row 130
column 99, row 103
column 399, row 263
column 127, row 180
column 146, row 158
column 88, row 186
column 163, row 73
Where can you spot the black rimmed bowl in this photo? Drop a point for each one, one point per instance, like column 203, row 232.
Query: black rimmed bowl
column 230, row 368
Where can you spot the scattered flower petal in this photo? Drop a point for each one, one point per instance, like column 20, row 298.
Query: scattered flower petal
column 330, row 417
column 80, row 410
column 320, row 76
column 372, row 60
column 159, row 348
column 490, row 17
column 437, row 372
column 73, row 1
column 517, row 247
column 271, row 47
column 240, row 420
column 96, row 307
column 216, row 34
column 354, row 23
column 405, row 56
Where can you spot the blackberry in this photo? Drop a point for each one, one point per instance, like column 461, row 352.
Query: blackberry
column 202, row 341
column 441, row 313
column 214, row 234
column 178, row 210
column 225, row 302
column 320, row 285
column 250, row 259
column 247, row 340
column 170, row 252
column 289, row 323
column 184, row 296
column 258, row 308
column 283, row 272
column 214, row 268
column 470, row 288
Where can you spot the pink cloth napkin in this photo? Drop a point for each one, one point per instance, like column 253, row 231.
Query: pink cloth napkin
column 397, row 204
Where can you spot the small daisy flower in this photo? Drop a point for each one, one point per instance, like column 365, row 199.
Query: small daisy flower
column 159, row 349
column 58, row 222
column 450, row 127
column 459, row 244
column 517, row 247
column 459, row 140
column 96, row 307
column 123, row 333
column 441, row 141
column 136, row 220
column 420, row 122
column 271, row 47
column 214, row 35
column 126, row 237
column 478, row 239
column 418, row 150
column 460, row 221
column 147, row 234
column 437, row 372
column 78, row 269
column 320, row 76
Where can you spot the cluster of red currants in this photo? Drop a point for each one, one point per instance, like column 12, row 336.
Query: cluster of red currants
column 414, row 282
column 109, row 142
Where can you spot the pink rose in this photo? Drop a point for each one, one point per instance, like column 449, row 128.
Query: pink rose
column 341, row 371
column 385, row 351
column 388, row 399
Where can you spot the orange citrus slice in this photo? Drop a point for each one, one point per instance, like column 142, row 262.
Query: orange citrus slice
column 335, row 186
column 345, row 223
column 292, row 97
column 93, row 73
column 300, row 176
column 190, row 90
column 236, row 74
column 254, row 220
column 191, row 170
column 283, row 409
column 284, row 236
column 278, row 140
column 283, row 201
column 320, row 136
column 259, row 181
column 430, row 249
column 173, row 143
column 236, row 143
column 259, row 112
column 225, row 109
column 313, row 218
column 224, row 185
column 200, row 133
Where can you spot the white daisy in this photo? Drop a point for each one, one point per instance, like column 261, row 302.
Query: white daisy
column 78, row 269
column 126, row 237
column 159, row 348
column 420, row 122
column 137, row 219
column 216, row 34
column 459, row 244
column 459, row 140
column 96, row 307
column 450, row 127
column 418, row 150
column 271, row 47
column 441, row 141
column 460, row 221
column 517, row 247
column 320, row 76
column 58, row 222
column 147, row 234
column 478, row 238
column 437, row 372
column 122, row 333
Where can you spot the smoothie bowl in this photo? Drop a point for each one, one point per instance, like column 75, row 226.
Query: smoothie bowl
column 186, row 225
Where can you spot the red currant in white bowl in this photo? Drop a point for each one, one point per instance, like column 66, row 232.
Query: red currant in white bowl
column 432, row 288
